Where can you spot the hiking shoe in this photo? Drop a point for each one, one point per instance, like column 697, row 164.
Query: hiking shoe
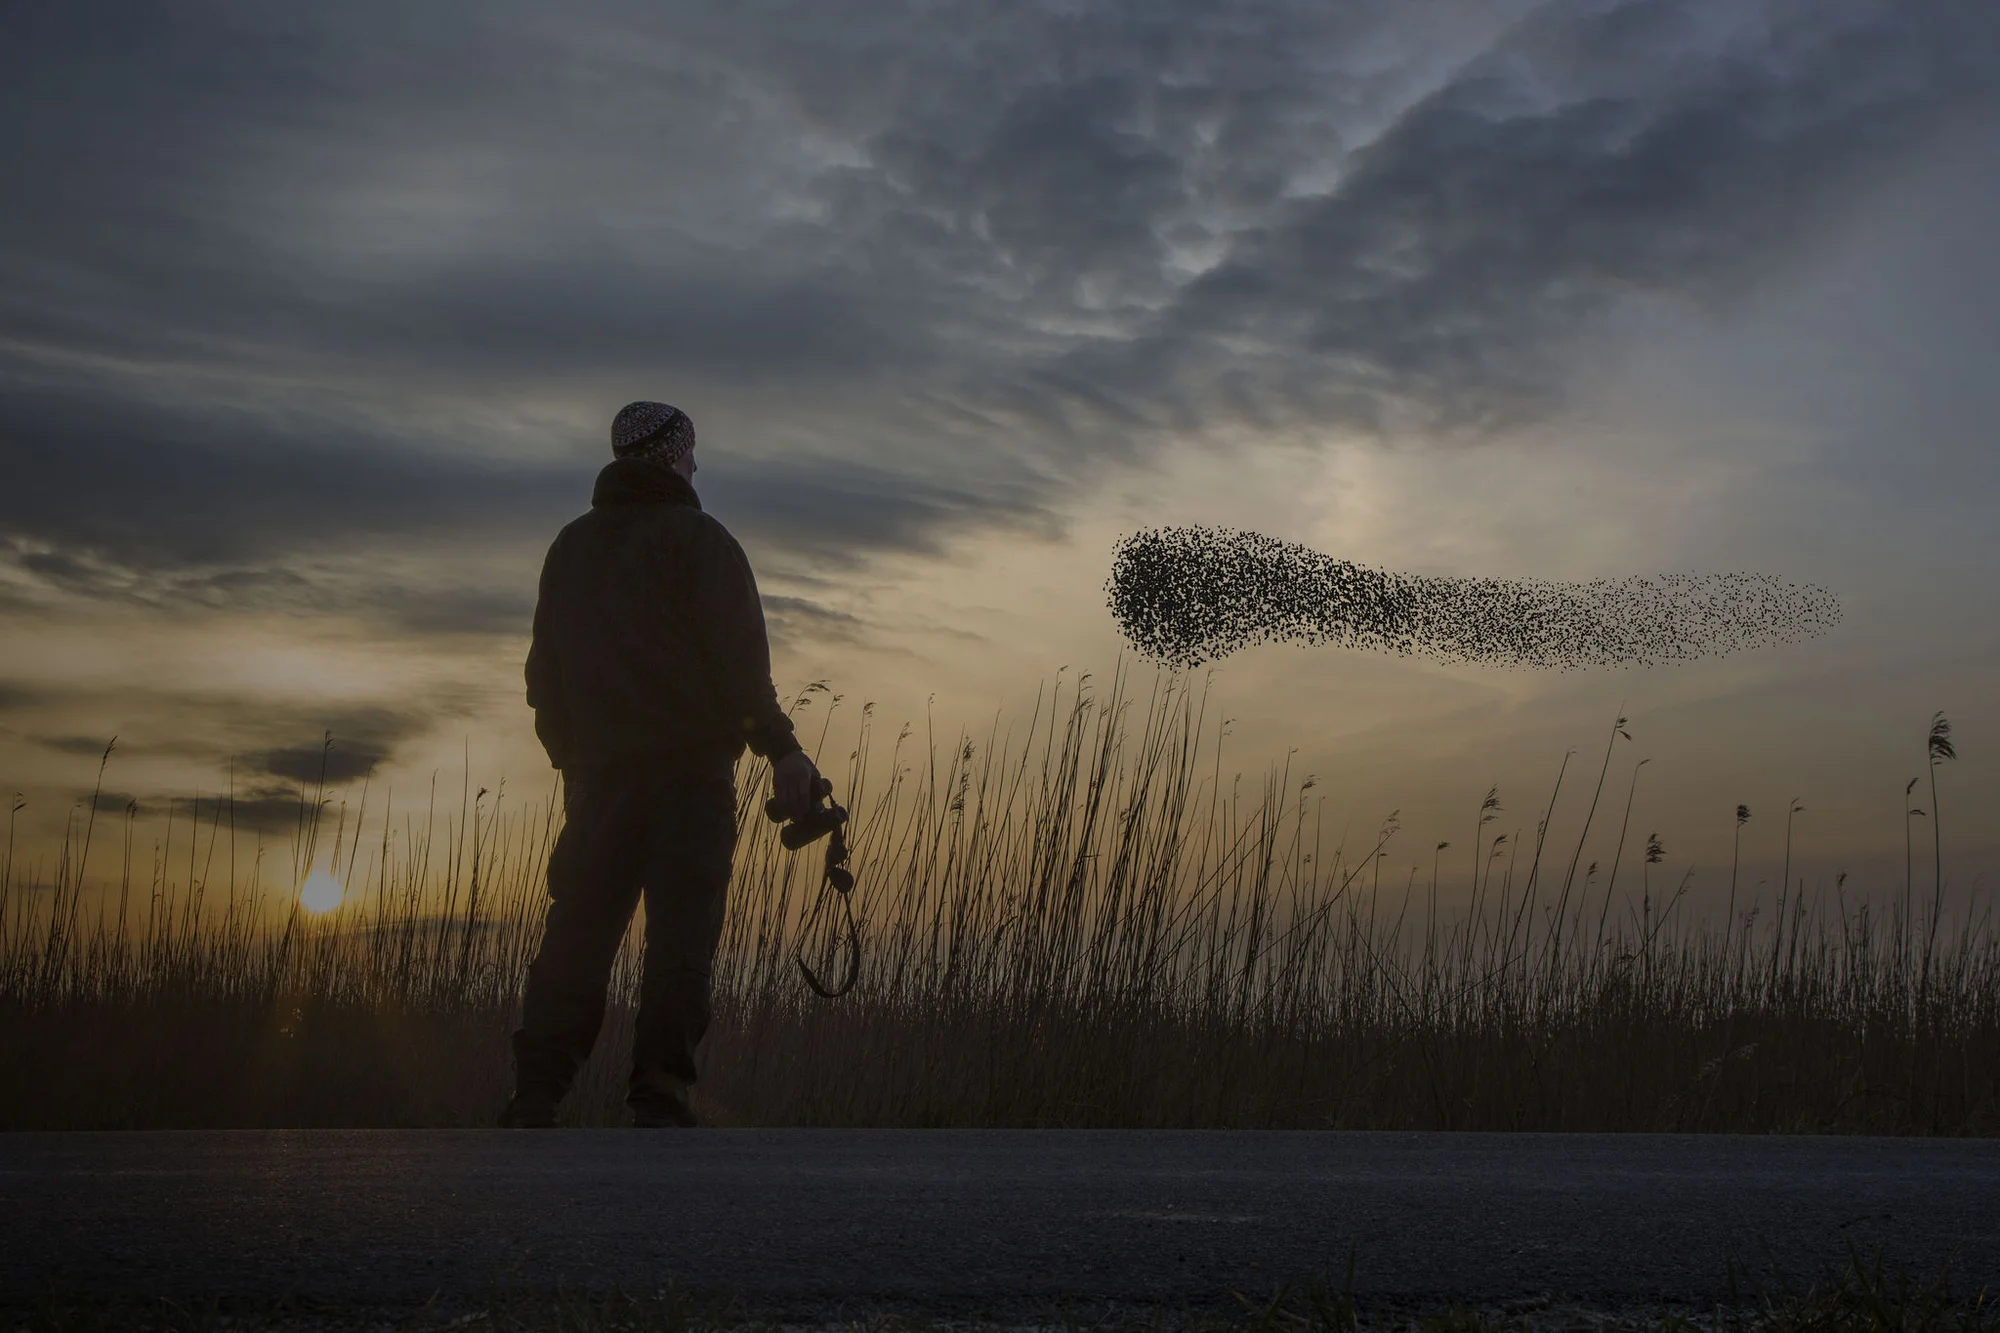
column 664, row 1114
column 659, row 1100
column 530, row 1110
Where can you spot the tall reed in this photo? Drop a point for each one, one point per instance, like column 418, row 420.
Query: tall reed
column 1084, row 920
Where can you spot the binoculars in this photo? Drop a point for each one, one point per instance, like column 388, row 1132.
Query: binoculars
column 820, row 818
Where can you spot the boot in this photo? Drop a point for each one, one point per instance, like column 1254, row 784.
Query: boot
column 660, row 1101
column 673, row 1115
column 530, row 1108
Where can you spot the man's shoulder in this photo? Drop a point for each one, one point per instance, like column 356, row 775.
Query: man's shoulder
column 572, row 534
column 706, row 528
column 679, row 526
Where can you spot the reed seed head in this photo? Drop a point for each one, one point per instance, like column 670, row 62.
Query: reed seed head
column 1940, row 740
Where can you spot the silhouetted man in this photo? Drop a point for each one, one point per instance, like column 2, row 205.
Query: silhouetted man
column 649, row 675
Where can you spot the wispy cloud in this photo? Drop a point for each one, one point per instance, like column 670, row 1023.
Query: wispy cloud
column 289, row 739
column 375, row 277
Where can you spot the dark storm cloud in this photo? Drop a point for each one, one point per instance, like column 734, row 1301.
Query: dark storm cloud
column 355, row 742
column 15, row 696
column 335, row 764
column 792, row 620
column 111, row 502
column 198, row 484
column 262, row 808
column 463, row 188
column 264, row 738
column 269, row 809
column 831, row 510
column 427, row 610
column 266, row 299
column 1601, row 152
column 90, row 746
column 282, row 217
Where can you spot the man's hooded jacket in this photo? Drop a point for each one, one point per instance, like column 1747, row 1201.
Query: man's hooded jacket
column 649, row 636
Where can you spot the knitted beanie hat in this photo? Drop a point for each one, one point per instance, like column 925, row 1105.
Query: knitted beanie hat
column 652, row 431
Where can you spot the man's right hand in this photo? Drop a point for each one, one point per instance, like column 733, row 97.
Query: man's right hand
column 795, row 785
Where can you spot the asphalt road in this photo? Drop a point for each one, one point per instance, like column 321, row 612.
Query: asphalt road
column 960, row 1221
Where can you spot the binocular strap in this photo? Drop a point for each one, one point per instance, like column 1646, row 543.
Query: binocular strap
column 840, row 880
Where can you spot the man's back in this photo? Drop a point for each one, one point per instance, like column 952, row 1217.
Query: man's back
column 649, row 635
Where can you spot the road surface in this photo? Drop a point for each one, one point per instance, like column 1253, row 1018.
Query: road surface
column 805, row 1222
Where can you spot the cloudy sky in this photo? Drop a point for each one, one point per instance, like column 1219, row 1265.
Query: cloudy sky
column 313, row 320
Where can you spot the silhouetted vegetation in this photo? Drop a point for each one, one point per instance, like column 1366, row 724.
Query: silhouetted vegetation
column 1087, row 924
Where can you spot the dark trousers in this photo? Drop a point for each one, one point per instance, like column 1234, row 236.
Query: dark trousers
column 669, row 835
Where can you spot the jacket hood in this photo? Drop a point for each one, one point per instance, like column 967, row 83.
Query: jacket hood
column 634, row 481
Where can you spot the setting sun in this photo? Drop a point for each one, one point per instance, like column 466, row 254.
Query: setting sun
column 321, row 893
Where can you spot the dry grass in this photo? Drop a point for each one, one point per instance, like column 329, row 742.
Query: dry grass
column 1089, row 924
